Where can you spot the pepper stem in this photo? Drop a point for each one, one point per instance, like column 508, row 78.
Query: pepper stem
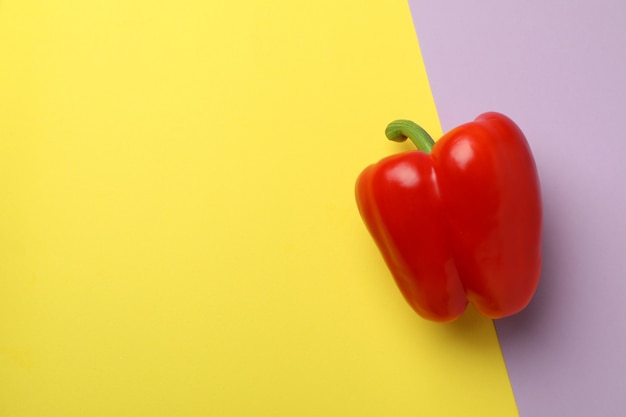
column 401, row 130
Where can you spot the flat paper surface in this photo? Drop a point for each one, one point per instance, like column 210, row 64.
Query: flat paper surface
column 178, row 232
column 557, row 68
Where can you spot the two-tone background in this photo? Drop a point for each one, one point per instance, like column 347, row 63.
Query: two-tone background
column 178, row 233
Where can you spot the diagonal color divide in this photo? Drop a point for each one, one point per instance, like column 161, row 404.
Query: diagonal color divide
column 558, row 69
column 178, row 230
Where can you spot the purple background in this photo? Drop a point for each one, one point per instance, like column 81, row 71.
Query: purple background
column 558, row 68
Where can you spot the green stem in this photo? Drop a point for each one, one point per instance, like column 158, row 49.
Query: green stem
column 401, row 130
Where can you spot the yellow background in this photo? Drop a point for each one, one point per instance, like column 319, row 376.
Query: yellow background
column 178, row 233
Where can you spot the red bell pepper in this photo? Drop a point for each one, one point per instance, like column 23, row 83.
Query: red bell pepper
column 458, row 220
